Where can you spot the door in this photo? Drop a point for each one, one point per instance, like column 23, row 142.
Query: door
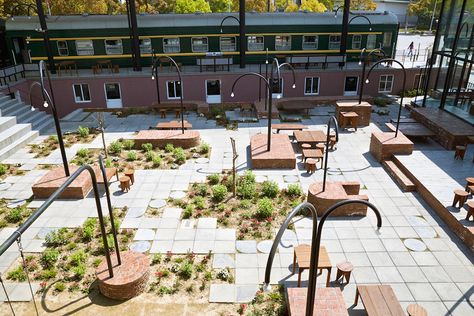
column 113, row 95
column 213, row 91
column 350, row 85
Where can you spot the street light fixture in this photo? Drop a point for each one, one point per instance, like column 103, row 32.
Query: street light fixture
column 333, row 120
column 154, row 76
column 242, row 38
column 364, row 61
column 389, row 60
column 361, row 17
column 49, row 100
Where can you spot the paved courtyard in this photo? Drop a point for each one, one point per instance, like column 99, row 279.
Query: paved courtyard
column 414, row 251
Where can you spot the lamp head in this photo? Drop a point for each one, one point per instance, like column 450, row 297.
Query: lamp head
column 360, row 62
column 152, row 77
column 367, row 80
column 12, row 18
column 278, row 96
column 293, row 86
column 232, row 94
column 221, row 30
column 370, row 29
column 45, row 104
column 32, row 108
column 266, row 61
column 335, row 16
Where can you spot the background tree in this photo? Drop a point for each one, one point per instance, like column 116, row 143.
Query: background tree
column 191, row 6
column 291, row 7
column 363, row 5
column 253, row 5
column 220, row 5
column 312, row 6
column 164, row 6
column 423, row 9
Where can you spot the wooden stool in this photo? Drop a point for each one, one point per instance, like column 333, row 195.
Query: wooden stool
column 124, row 183
column 469, row 182
column 178, row 113
column 459, row 153
column 461, row 197
column 305, row 146
column 332, row 141
column 416, row 310
column 163, row 113
column 131, row 174
column 321, row 147
column 470, row 210
column 344, row 270
column 310, row 165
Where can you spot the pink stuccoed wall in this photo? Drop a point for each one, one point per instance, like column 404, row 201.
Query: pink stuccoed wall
column 141, row 90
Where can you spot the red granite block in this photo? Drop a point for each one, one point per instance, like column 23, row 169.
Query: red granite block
column 159, row 138
column 280, row 156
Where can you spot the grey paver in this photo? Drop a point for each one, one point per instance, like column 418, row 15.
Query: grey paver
column 183, row 246
column 423, row 292
column 207, row 222
column 221, row 261
column 246, row 293
column 185, row 234
column 246, row 276
column 265, row 246
column 140, row 246
column 225, row 234
column 222, row 293
column 224, row 246
column 205, row 234
column 246, row 246
column 412, row 274
column 414, row 244
column 165, row 234
column 243, row 260
column 172, row 212
column 424, row 258
column 447, row 291
column 203, row 246
column 161, row 246
column 144, row 234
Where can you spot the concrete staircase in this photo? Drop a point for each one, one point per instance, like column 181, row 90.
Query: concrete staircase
column 391, row 165
column 19, row 125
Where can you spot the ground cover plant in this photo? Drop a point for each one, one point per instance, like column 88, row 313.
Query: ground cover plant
column 10, row 170
column 13, row 217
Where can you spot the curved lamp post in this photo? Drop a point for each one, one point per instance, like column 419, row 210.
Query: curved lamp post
column 228, row 17
column 154, row 76
column 333, row 120
column 315, row 244
column 365, row 58
column 387, row 60
column 337, row 10
column 49, row 99
column 361, row 17
column 242, row 38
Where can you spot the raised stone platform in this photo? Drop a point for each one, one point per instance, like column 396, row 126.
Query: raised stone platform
column 78, row 189
column 130, row 278
column 159, row 138
column 328, row 301
column 384, row 145
column 336, row 192
column 364, row 110
column 280, row 156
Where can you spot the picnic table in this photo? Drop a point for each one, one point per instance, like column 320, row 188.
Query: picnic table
column 288, row 127
column 412, row 129
column 314, row 154
column 174, row 125
column 67, row 65
column 379, row 300
column 309, row 137
column 302, row 256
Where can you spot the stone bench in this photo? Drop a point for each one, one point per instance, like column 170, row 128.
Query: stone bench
column 159, row 138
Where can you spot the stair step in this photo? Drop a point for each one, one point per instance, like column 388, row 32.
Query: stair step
column 6, row 122
column 17, row 110
column 7, row 151
column 8, row 104
column 29, row 116
column 400, row 177
column 42, row 122
column 14, row 133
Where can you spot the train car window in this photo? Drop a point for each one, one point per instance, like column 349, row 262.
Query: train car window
column 81, row 92
column 174, row 89
column 310, row 42
column 356, row 41
column 84, row 47
column 255, row 43
column 145, row 46
column 387, row 39
column 113, row 47
column 171, row 45
column 199, row 44
column 282, row 42
column 228, row 44
column 334, row 41
column 311, row 85
column 371, row 41
column 385, row 83
column 63, row 49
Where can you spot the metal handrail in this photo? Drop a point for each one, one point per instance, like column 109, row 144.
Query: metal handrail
column 30, row 220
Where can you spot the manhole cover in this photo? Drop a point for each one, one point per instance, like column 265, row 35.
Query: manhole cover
column 140, row 246
column 16, row 203
column 414, row 244
column 157, row 203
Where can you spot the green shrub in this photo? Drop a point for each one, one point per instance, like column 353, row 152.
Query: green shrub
column 188, row 211
column 382, row 102
column 219, row 192
column 14, row 215
column 201, row 189
column 59, row 286
column 3, row 169
column 83, row 131
column 17, row 274
column 169, row 148
column 294, row 190
column 214, row 178
column 248, row 177
column 47, row 274
column 157, row 258
column 49, row 257
column 149, row 155
column 199, row 202
column 147, row 147
column 108, row 163
column 204, row 149
column 157, row 161
column 79, row 271
column 186, row 270
column 247, row 190
column 88, row 229
column 53, row 139
column 412, row 93
column 79, row 257
column 270, row 189
column 115, row 147
column 83, row 152
column 246, row 204
column 128, row 144
column 132, row 155
column 56, row 238
column 264, row 208
column 179, row 155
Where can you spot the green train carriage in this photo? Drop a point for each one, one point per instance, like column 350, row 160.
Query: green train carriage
column 86, row 39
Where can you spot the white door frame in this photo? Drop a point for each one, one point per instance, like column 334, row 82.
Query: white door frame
column 113, row 103
column 213, row 98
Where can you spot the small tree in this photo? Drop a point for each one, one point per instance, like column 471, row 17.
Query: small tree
column 363, row 5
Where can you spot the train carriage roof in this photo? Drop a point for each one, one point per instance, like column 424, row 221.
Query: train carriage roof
column 86, row 21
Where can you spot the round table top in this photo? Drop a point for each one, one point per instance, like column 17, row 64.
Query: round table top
column 129, row 171
column 470, row 180
column 311, row 161
column 461, row 192
column 124, row 179
column 416, row 310
column 470, row 204
column 320, row 146
column 345, row 266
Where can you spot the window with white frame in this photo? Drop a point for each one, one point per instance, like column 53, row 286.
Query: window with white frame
column 84, row 47
column 334, row 41
column 387, row 39
column 174, row 89
column 356, row 41
column 282, row 42
column 228, row 44
column 310, row 42
column 371, row 41
column 171, row 45
column 255, row 43
column 311, row 85
column 199, row 44
column 113, row 47
column 81, row 92
column 386, row 83
column 63, row 49
column 145, row 46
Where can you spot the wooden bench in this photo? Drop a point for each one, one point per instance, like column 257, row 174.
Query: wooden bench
column 174, row 125
column 379, row 300
column 288, row 127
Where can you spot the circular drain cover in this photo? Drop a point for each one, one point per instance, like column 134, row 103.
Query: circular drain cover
column 157, row 203
column 177, row 195
column 202, row 160
column 415, row 245
column 140, row 246
column 16, row 203
column 4, row 186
